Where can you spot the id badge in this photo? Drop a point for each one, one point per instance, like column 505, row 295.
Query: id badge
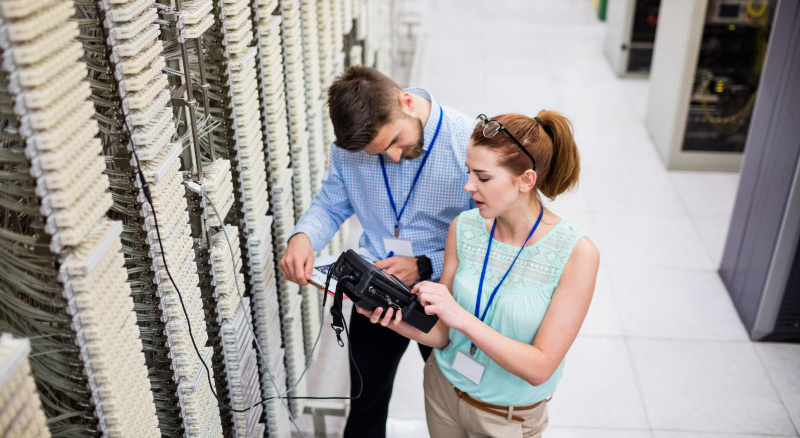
column 398, row 247
column 468, row 367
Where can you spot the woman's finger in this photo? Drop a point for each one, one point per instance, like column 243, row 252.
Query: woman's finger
column 398, row 317
column 376, row 315
column 387, row 317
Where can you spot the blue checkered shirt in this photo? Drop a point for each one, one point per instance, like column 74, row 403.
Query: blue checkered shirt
column 354, row 184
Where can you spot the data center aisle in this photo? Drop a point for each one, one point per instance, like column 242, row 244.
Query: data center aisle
column 662, row 353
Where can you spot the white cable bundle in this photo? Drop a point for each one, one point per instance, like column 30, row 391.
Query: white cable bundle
column 294, row 68
column 55, row 117
column 137, row 59
column 195, row 19
column 101, row 307
column 347, row 16
column 378, row 27
column 218, row 186
column 325, row 33
column 249, row 160
column 234, row 312
column 279, row 424
column 56, row 122
column 310, row 28
column 273, row 92
column 297, row 109
column 21, row 415
column 318, row 150
column 265, row 297
column 337, row 11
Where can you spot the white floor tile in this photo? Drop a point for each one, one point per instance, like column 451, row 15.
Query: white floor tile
column 599, row 388
column 406, row 427
column 570, row 204
column 603, row 317
column 673, row 434
column 706, row 193
column 524, row 93
column 632, row 191
column 638, row 91
column 408, row 398
column 675, row 304
column 713, row 232
column 715, row 387
column 783, row 362
column 573, row 432
column 656, row 241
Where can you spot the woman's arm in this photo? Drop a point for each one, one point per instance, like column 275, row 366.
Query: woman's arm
column 438, row 336
column 533, row 363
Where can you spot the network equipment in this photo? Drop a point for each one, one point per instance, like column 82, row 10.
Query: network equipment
column 22, row 414
column 369, row 287
column 732, row 52
column 154, row 157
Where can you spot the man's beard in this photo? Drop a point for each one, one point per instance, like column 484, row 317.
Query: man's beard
column 414, row 151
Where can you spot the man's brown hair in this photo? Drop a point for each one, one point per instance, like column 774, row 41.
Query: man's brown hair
column 361, row 101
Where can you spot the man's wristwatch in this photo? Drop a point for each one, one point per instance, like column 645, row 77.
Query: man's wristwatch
column 424, row 268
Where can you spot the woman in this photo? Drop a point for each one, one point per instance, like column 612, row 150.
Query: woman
column 521, row 280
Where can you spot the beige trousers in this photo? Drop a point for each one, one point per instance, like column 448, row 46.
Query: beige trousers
column 451, row 417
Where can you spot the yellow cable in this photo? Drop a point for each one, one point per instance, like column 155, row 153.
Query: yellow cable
column 756, row 14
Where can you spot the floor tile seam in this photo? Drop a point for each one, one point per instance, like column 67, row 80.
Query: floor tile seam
column 721, row 434
column 618, row 265
column 672, row 215
column 775, row 388
column 667, row 268
column 688, row 340
column 638, row 381
column 694, row 225
column 626, row 341
column 606, row 428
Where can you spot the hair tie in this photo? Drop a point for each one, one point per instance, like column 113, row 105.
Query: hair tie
column 546, row 129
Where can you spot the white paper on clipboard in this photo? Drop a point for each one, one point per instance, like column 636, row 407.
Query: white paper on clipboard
column 323, row 264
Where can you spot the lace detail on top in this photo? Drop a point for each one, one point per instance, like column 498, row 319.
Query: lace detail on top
column 540, row 264
column 517, row 310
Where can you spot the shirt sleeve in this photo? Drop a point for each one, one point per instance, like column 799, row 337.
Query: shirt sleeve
column 330, row 207
column 437, row 263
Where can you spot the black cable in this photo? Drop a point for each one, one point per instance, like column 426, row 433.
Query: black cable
column 220, row 404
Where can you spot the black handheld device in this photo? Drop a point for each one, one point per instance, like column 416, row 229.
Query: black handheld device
column 369, row 287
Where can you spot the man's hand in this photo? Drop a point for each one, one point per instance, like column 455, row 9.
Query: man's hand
column 404, row 268
column 298, row 260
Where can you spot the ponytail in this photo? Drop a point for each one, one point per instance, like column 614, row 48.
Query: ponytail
column 563, row 163
column 548, row 139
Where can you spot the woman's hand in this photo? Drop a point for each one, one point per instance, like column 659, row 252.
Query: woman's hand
column 438, row 300
column 375, row 316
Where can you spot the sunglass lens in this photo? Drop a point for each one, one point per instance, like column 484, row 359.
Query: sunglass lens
column 490, row 129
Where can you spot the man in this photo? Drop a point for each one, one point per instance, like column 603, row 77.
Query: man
column 399, row 166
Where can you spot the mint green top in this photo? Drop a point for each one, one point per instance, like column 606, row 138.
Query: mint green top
column 517, row 310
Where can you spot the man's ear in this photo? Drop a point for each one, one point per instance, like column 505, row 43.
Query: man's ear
column 527, row 181
column 406, row 103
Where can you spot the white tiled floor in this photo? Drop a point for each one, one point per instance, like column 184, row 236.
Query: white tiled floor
column 662, row 353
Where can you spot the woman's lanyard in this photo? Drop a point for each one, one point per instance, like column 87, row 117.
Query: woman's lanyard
column 419, row 171
column 483, row 272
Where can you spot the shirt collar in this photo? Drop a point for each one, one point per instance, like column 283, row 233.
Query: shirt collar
column 433, row 118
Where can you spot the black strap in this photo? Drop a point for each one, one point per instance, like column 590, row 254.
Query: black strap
column 336, row 307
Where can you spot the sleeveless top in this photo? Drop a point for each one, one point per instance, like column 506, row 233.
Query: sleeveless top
column 517, row 310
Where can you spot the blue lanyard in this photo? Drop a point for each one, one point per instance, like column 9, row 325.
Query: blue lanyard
column 419, row 171
column 483, row 271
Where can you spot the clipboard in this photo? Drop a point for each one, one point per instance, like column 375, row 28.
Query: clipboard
column 323, row 264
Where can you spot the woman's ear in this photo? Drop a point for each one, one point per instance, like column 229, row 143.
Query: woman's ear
column 527, row 181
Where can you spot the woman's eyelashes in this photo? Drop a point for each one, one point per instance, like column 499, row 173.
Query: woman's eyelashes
column 479, row 178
